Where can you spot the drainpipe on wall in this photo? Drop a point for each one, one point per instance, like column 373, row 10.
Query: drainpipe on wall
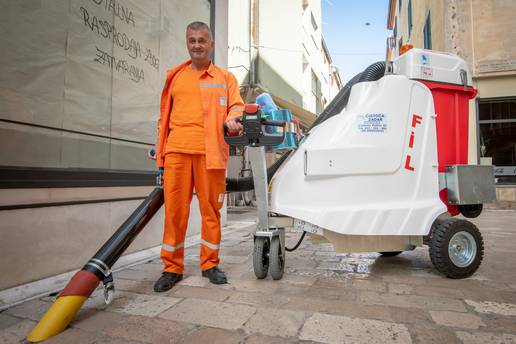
column 253, row 47
column 212, row 26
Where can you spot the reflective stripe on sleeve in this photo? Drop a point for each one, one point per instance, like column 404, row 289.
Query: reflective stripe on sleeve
column 211, row 84
column 236, row 107
column 209, row 245
column 172, row 248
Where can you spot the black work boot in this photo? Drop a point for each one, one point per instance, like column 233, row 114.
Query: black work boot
column 215, row 275
column 167, row 281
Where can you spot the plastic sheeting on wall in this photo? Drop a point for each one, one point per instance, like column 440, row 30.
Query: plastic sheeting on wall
column 91, row 66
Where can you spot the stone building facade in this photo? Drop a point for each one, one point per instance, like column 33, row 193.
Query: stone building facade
column 484, row 34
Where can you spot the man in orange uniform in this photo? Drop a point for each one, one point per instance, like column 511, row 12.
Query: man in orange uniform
column 196, row 102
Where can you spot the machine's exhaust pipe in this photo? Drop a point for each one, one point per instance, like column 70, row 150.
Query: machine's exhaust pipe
column 84, row 282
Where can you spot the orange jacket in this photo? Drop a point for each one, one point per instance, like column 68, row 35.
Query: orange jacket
column 221, row 100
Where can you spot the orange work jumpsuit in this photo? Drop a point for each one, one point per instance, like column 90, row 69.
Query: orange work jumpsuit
column 204, row 171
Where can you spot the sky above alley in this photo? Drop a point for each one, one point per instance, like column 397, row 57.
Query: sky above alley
column 354, row 44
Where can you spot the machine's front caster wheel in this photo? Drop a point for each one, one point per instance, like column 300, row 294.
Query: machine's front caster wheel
column 390, row 254
column 457, row 248
column 261, row 257
column 470, row 210
column 277, row 259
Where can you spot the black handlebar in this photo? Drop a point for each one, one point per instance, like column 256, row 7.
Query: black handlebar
column 274, row 123
column 253, row 133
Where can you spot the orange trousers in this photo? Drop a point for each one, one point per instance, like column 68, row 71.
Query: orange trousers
column 184, row 172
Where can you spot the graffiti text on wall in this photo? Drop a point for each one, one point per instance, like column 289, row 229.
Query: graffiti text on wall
column 131, row 46
column 122, row 66
column 123, row 13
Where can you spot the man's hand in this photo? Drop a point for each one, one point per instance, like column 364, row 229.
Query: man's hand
column 234, row 125
column 159, row 176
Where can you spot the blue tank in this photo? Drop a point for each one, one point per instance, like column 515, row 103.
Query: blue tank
column 290, row 138
column 273, row 113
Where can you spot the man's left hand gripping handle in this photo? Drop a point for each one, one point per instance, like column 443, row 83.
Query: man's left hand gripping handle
column 159, row 176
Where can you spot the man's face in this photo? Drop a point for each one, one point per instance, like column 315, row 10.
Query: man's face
column 199, row 44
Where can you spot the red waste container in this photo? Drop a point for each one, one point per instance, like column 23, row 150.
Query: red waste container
column 451, row 103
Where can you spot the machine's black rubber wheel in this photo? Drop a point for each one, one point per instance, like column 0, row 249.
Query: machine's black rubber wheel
column 390, row 254
column 471, row 210
column 261, row 257
column 276, row 259
column 457, row 248
column 427, row 239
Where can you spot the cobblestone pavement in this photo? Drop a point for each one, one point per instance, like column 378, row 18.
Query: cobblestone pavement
column 323, row 297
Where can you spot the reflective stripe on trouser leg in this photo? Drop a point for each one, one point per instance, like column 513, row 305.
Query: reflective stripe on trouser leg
column 210, row 186
column 178, row 190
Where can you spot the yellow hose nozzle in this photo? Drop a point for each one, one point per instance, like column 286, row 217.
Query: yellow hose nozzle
column 57, row 318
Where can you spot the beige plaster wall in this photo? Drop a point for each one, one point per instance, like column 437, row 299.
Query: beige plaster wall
column 420, row 11
column 41, row 242
column 494, row 36
column 496, row 86
column 483, row 33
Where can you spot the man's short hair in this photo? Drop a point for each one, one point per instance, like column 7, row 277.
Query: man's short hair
column 198, row 25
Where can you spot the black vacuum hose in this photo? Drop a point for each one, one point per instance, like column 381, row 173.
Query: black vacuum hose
column 338, row 102
column 247, row 184
column 373, row 72
column 112, row 249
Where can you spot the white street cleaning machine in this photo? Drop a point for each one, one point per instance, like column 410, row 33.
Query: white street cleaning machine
column 386, row 174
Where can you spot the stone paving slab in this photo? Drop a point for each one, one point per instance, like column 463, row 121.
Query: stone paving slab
column 400, row 288
column 210, row 313
column 32, row 310
column 340, row 329
column 412, row 301
column 432, row 334
column 150, row 330
column 7, row 321
column 486, row 337
column 324, row 297
column 16, row 332
column 201, row 293
column 508, row 309
column 215, row 336
column 454, row 319
column 258, row 299
column 261, row 339
column 78, row 336
column 141, row 304
column 409, row 315
column 322, row 305
column 275, row 322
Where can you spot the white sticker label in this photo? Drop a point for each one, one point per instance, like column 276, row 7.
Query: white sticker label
column 223, row 101
column 427, row 72
column 372, row 123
